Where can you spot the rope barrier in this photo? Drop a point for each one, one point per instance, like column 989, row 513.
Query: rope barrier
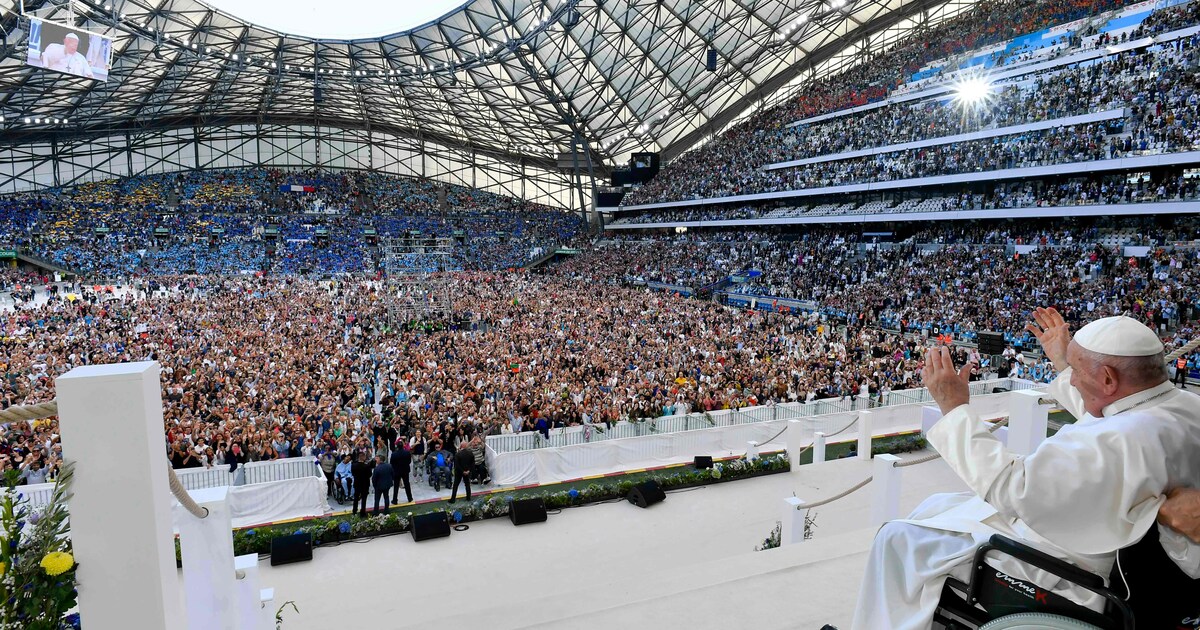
column 1192, row 345
column 840, row 495
column 38, row 411
column 811, row 444
column 862, row 484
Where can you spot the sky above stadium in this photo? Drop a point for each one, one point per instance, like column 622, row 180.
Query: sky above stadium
column 343, row 19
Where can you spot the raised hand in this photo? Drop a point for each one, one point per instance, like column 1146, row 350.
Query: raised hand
column 948, row 387
column 1053, row 333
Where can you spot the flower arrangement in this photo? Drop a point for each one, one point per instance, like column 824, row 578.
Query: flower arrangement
column 334, row 529
column 37, row 570
column 773, row 539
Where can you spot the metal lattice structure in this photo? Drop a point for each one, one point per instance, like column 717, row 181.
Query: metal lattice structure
column 418, row 280
column 486, row 96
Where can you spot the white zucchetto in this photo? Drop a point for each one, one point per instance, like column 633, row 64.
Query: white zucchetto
column 1119, row 337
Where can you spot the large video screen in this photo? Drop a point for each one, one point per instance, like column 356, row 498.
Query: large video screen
column 69, row 50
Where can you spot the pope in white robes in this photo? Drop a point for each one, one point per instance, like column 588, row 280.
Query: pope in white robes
column 1088, row 491
column 65, row 57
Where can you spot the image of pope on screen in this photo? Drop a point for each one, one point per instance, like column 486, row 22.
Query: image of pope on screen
column 62, row 49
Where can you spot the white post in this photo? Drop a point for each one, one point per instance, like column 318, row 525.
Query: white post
column 791, row 530
column 1027, row 421
column 249, row 594
column 751, row 450
column 206, row 548
column 865, row 432
column 885, row 490
column 795, row 442
column 266, row 598
column 818, row 448
column 930, row 414
column 121, row 511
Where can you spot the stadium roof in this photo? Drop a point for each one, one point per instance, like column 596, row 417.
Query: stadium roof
column 510, row 78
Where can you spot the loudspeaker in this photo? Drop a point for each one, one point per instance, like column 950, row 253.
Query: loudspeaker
column 991, row 342
column 432, row 525
column 289, row 549
column 702, row 461
column 525, row 511
column 646, row 494
column 712, row 60
column 318, row 96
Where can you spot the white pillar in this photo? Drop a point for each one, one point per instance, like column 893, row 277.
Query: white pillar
column 1027, row 421
column 795, row 442
column 249, row 594
column 865, row 431
column 121, row 511
column 791, row 530
column 751, row 450
column 930, row 414
column 266, row 598
column 206, row 548
column 818, row 448
column 885, row 490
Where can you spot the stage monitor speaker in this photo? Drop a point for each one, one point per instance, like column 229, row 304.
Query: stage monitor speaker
column 703, row 461
column 711, row 64
column 291, row 548
column 646, row 494
column 991, row 342
column 524, row 511
column 432, row 525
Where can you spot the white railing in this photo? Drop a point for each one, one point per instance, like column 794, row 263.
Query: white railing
column 727, row 417
column 256, row 472
column 38, row 494
column 199, row 478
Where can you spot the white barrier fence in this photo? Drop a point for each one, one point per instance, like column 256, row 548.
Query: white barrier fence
column 257, row 473
column 573, row 436
column 552, row 464
column 259, row 503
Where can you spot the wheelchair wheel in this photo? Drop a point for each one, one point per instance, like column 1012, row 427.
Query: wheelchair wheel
column 1036, row 621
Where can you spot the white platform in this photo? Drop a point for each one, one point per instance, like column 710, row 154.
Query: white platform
column 685, row 563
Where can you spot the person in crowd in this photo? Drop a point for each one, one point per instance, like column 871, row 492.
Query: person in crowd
column 401, row 461
column 464, row 464
column 329, row 463
column 361, row 471
column 382, row 479
column 343, row 473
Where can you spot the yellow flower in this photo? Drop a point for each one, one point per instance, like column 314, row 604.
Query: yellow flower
column 57, row 563
column 2, row 568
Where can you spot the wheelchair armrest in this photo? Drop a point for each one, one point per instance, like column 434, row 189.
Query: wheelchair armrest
column 1043, row 561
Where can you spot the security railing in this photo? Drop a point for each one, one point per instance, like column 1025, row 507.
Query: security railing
column 256, row 472
column 728, row 417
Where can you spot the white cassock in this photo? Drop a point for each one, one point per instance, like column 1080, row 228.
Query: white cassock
column 55, row 57
column 1088, row 491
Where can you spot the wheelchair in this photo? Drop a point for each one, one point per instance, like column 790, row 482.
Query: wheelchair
column 339, row 493
column 439, row 476
column 1159, row 594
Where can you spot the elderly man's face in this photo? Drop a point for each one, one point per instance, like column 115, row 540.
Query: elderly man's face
column 1088, row 379
column 71, row 44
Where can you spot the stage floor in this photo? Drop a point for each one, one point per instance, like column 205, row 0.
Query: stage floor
column 688, row 562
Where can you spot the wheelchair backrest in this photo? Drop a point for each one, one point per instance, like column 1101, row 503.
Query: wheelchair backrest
column 1160, row 594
